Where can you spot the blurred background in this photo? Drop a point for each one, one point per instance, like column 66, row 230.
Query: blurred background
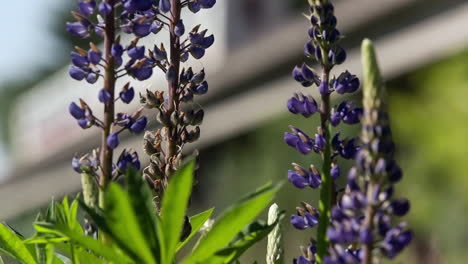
column 423, row 52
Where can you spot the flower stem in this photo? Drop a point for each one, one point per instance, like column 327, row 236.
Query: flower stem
column 326, row 191
column 109, row 84
column 173, row 100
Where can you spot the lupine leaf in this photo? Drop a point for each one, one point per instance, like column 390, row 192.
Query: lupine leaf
column 142, row 202
column 231, row 222
column 84, row 241
column 174, row 205
column 197, row 221
column 252, row 234
column 123, row 223
column 12, row 244
column 63, row 259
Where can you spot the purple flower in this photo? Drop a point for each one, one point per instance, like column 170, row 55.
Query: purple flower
column 395, row 241
column 171, row 74
column 86, row 7
column 201, row 89
column 137, row 52
column 309, row 49
column 77, row 29
column 400, row 207
column 160, row 54
column 297, row 180
column 346, row 83
column 117, row 50
column 94, row 56
column 164, row 6
column 304, row 75
column 141, row 30
column 78, row 60
column 137, row 5
column 299, row 222
column 179, row 28
column 76, row 73
column 299, row 140
column 206, row 3
column 76, row 165
column 194, row 7
column 84, row 123
column 335, row 172
column 197, row 52
column 337, row 55
column 139, row 125
column 113, row 140
column 324, row 88
column 104, row 96
column 128, row 158
column 127, row 95
column 142, row 71
column 320, row 141
column 156, row 26
column 76, row 111
column 207, row 41
column 92, row 78
column 306, row 107
column 105, row 8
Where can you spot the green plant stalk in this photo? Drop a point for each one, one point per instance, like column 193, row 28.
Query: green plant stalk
column 106, row 152
column 326, row 191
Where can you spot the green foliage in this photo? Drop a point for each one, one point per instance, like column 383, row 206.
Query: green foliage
column 132, row 232
column 231, row 222
column 12, row 245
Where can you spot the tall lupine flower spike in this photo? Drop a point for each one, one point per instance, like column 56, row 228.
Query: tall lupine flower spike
column 106, row 18
column 324, row 48
column 179, row 116
column 362, row 229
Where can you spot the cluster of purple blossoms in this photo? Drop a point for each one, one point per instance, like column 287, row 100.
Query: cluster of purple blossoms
column 357, row 225
column 139, row 18
column 176, row 112
column 324, row 48
column 106, row 19
column 362, row 229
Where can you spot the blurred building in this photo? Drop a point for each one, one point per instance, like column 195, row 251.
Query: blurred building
column 257, row 44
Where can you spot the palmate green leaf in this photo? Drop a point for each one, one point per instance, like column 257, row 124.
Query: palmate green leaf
column 123, row 223
column 84, row 241
column 252, row 234
column 141, row 199
column 197, row 221
column 12, row 244
column 174, row 206
column 231, row 222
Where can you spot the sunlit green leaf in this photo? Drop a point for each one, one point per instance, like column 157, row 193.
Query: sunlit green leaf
column 123, row 223
column 141, row 199
column 174, row 205
column 231, row 222
column 197, row 221
column 13, row 245
column 86, row 242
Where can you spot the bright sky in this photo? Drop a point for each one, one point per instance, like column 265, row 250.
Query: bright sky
column 25, row 42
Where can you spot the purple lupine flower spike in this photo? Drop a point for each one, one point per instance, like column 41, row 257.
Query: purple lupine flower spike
column 367, row 206
column 324, row 48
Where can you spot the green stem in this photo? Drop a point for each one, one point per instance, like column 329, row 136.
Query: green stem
column 75, row 258
column 326, row 191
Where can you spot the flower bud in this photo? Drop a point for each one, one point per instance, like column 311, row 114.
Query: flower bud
column 113, row 140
